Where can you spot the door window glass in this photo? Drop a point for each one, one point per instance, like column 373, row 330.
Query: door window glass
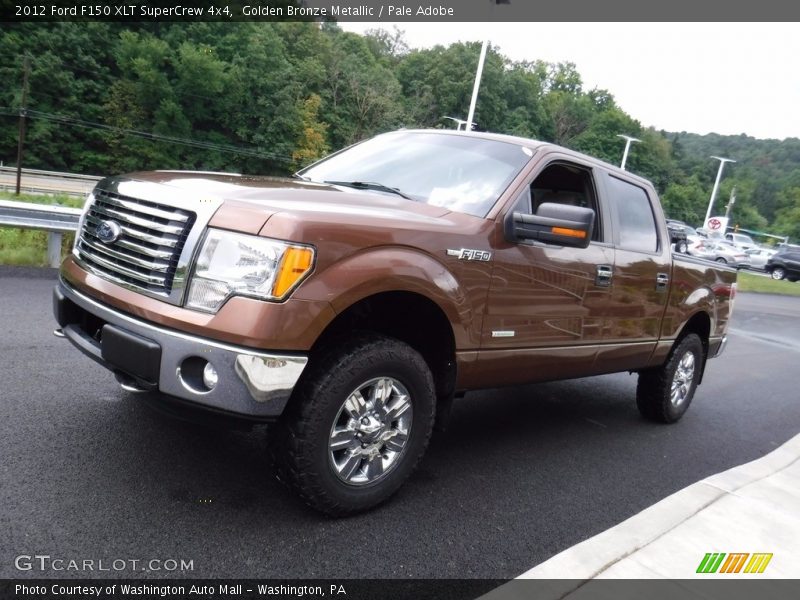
column 637, row 224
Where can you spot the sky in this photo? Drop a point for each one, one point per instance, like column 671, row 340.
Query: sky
column 728, row 78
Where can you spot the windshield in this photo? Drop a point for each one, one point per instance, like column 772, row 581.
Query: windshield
column 461, row 173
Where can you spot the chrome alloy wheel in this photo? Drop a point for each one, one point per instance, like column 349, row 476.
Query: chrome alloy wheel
column 682, row 380
column 370, row 431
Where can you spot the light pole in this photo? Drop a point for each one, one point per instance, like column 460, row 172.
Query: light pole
column 477, row 85
column 722, row 162
column 460, row 123
column 628, row 139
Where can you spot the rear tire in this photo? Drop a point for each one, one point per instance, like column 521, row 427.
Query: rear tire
column 778, row 273
column 722, row 260
column 664, row 394
column 357, row 425
column 682, row 247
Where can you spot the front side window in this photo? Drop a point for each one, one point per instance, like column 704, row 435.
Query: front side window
column 461, row 173
column 637, row 224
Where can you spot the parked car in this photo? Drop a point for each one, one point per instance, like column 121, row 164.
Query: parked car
column 785, row 264
column 721, row 252
column 352, row 304
column 678, row 230
column 759, row 257
column 677, row 237
column 741, row 241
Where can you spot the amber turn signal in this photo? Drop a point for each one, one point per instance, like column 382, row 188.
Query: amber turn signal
column 295, row 264
column 576, row 233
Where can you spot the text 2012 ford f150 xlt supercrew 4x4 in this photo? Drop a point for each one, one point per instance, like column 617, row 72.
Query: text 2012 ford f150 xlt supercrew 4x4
column 351, row 304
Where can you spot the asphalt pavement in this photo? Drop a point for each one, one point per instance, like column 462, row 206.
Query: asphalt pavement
column 89, row 472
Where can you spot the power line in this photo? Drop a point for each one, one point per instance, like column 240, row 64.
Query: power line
column 66, row 120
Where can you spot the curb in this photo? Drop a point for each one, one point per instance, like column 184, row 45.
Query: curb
column 598, row 556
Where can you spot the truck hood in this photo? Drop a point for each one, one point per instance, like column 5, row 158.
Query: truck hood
column 250, row 201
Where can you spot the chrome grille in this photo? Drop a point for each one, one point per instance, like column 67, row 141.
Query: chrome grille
column 151, row 238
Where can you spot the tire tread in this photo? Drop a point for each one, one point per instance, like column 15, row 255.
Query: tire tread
column 654, row 385
column 342, row 358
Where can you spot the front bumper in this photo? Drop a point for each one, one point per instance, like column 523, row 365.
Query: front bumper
column 250, row 382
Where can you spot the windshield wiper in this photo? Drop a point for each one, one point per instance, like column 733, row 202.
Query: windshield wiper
column 370, row 185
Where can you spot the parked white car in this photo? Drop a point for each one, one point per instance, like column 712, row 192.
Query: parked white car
column 720, row 251
column 759, row 257
column 741, row 241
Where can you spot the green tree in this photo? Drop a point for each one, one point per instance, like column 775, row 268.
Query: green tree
column 312, row 144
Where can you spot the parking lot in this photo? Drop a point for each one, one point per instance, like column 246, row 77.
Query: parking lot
column 90, row 472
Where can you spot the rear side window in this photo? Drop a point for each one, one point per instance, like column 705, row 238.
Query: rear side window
column 637, row 224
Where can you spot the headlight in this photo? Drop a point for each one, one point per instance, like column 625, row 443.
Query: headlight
column 236, row 264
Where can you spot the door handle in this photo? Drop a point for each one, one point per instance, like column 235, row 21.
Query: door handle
column 662, row 280
column 604, row 275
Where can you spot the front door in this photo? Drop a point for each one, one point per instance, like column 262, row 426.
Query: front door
column 547, row 305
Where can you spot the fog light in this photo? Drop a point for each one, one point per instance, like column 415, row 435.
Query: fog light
column 210, row 376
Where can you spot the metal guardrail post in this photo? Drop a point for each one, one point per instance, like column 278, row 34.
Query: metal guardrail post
column 54, row 239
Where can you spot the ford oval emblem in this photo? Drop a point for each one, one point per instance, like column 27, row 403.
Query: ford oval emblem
column 108, row 232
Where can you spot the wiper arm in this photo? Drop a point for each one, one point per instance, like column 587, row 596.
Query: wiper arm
column 370, row 185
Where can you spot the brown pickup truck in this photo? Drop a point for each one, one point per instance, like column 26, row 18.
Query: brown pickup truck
column 351, row 304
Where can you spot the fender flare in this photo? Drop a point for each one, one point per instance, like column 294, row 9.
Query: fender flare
column 365, row 274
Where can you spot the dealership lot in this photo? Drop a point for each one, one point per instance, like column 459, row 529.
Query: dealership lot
column 91, row 473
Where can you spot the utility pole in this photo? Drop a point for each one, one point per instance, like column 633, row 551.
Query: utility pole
column 23, row 110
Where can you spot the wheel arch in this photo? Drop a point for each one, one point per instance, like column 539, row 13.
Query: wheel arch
column 410, row 317
column 699, row 323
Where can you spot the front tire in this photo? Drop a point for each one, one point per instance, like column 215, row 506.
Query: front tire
column 778, row 273
column 681, row 247
column 722, row 260
column 664, row 394
column 357, row 425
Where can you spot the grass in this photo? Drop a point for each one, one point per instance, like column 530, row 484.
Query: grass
column 748, row 282
column 28, row 247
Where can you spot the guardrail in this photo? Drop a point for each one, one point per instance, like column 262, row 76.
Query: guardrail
column 55, row 219
column 52, row 174
column 37, row 181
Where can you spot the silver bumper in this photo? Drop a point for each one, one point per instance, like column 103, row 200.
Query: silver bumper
column 250, row 382
column 721, row 348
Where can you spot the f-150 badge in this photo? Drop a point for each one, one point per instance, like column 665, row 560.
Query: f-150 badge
column 470, row 254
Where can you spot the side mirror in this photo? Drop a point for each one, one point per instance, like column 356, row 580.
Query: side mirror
column 559, row 224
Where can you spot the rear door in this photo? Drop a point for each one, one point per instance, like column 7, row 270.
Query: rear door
column 642, row 272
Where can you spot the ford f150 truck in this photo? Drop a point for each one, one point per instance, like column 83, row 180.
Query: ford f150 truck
column 351, row 304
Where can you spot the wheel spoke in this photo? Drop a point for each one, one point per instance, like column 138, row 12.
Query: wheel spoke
column 396, row 442
column 342, row 439
column 375, row 467
column 400, row 405
column 381, row 393
column 355, row 405
column 349, row 466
